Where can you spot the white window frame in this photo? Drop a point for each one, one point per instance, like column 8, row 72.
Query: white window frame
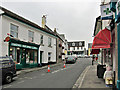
column 30, row 36
column 14, row 31
column 41, row 39
column 49, row 41
column 49, row 56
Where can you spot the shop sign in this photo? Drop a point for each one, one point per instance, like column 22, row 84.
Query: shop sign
column 118, row 7
column 106, row 13
column 15, row 44
column 23, row 46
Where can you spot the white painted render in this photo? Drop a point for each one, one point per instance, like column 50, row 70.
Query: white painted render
column 1, row 35
column 23, row 36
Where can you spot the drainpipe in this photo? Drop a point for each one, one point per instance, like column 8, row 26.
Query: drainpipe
column 118, row 38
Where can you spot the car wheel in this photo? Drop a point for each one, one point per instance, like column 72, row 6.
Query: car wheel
column 8, row 78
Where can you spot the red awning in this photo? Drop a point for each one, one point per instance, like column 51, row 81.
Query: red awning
column 95, row 51
column 102, row 39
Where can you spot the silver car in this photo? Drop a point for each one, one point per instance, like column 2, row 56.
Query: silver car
column 71, row 59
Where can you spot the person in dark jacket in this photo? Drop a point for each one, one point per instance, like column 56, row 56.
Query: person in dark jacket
column 93, row 59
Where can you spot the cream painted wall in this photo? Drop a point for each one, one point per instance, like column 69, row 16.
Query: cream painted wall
column 23, row 36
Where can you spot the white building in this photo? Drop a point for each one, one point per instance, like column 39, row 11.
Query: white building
column 28, row 43
column 64, row 46
column 76, row 48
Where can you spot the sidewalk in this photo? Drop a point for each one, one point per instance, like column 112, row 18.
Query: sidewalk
column 89, row 79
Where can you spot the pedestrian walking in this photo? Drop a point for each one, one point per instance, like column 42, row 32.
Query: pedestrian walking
column 108, row 76
column 93, row 57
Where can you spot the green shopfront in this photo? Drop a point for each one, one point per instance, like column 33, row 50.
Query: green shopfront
column 24, row 54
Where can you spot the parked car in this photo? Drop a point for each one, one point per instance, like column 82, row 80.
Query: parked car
column 71, row 59
column 8, row 69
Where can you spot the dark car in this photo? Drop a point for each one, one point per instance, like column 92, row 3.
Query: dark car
column 71, row 59
column 8, row 69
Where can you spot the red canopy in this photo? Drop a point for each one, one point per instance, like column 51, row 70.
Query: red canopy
column 95, row 51
column 102, row 39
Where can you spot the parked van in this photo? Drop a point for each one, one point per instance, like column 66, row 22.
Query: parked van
column 7, row 69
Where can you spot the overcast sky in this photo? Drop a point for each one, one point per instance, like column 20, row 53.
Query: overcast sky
column 74, row 18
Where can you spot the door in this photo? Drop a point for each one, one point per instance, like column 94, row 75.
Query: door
column 23, row 59
column 41, row 56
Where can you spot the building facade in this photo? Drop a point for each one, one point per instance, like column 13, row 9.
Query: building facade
column 26, row 42
column 76, row 48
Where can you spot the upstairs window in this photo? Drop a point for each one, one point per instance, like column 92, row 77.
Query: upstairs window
column 41, row 39
column 14, row 30
column 30, row 36
column 49, row 41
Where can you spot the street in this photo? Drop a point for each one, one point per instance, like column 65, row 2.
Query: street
column 59, row 77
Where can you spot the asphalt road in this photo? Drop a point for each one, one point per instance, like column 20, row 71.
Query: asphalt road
column 59, row 77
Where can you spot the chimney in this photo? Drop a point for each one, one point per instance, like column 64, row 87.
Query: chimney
column 43, row 21
column 55, row 30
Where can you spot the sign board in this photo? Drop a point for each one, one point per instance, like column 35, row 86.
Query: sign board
column 106, row 13
column 118, row 7
column 24, row 46
column 76, row 44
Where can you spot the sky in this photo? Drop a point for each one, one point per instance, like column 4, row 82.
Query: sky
column 74, row 18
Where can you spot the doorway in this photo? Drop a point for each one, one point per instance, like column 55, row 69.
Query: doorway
column 41, row 56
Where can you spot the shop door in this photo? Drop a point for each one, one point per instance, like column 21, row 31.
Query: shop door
column 41, row 54
column 23, row 61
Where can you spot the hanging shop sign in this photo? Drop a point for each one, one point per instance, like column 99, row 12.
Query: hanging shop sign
column 106, row 13
column 118, row 7
column 7, row 39
column 118, row 11
column 23, row 46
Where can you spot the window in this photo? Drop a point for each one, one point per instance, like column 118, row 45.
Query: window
column 41, row 39
column 77, row 48
column 81, row 48
column 30, row 36
column 49, row 41
column 68, row 47
column 73, row 48
column 14, row 30
column 49, row 56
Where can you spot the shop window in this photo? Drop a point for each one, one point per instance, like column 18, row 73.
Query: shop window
column 15, row 54
column 35, row 57
column 49, row 41
column 41, row 39
column 27, row 56
column 14, row 30
column 31, row 56
column 12, row 53
column 49, row 56
column 30, row 36
column 18, row 55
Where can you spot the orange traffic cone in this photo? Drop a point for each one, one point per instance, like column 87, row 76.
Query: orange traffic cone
column 64, row 64
column 48, row 68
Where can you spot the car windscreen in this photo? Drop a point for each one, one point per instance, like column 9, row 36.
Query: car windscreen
column 70, row 57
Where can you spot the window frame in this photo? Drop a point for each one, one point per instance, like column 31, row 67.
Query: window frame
column 49, row 41
column 14, row 31
column 41, row 39
column 29, row 31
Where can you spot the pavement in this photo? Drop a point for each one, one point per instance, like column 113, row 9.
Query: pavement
column 88, row 79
